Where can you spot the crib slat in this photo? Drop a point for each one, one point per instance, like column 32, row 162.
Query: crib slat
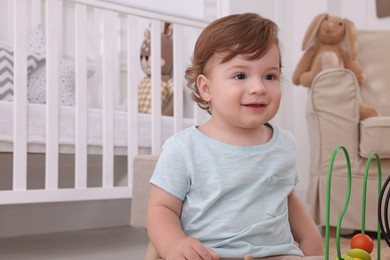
column 108, row 97
column 20, row 96
column 178, row 77
column 161, row 16
column 97, row 38
column 132, row 95
column 81, row 96
column 60, row 24
column 156, row 85
column 10, row 29
column 62, row 195
column 36, row 12
column 52, row 121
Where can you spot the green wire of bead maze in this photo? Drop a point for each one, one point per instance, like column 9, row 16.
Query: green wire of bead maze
column 347, row 198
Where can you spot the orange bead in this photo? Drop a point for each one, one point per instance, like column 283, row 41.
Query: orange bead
column 362, row 241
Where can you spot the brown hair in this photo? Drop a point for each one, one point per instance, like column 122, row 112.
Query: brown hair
column 248, row 34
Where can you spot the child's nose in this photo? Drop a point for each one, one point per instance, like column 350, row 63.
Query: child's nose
column 257, row 87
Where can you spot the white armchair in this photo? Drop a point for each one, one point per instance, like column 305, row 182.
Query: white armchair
column 333, row 119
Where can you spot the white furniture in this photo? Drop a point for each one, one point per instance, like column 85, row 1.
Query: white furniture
column 333, row 119
column 101, row 41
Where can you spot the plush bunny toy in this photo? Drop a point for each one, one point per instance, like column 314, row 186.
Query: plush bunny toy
column 144, row 88
column 330, row 42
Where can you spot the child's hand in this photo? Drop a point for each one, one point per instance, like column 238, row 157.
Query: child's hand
column 191, row 249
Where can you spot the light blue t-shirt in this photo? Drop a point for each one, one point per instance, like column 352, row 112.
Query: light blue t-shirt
column 234, row 197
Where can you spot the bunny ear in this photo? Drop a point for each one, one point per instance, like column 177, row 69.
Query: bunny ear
column 350, row 41
column 312, row 30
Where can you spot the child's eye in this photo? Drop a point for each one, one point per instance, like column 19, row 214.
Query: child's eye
column 240, row 76
column 271, row 77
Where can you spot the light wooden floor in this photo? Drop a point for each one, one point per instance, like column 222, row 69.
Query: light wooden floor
column 108, row 244
column 98, row 244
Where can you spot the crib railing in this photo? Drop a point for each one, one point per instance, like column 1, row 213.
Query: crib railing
column 51, row 11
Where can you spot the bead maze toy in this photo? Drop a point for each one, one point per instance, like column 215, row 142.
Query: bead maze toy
column 383, row 210
column 361, row 244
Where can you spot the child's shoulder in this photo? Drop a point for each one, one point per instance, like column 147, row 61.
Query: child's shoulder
column 281, row 133
column 184, row 135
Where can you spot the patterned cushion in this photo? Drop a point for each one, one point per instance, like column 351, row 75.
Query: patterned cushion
column 66, row 83
column 36, row 40
column 7, row 70
column 145, row 95
column 66, row 74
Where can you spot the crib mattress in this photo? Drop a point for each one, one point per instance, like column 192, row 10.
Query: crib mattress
column 36, row 132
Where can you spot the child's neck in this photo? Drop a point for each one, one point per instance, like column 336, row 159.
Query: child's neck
column 236, row 135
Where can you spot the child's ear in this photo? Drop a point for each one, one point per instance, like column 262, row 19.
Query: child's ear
column 203, row 86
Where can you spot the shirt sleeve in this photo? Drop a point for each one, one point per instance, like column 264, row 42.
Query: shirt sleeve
column 171, row 172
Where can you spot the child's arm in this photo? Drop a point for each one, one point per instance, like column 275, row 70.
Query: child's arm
column 165, row 232
column 303, row 228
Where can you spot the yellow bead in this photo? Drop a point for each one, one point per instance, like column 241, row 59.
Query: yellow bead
column 359, row 253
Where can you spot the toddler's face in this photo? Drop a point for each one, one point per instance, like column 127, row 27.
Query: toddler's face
column 244, row 93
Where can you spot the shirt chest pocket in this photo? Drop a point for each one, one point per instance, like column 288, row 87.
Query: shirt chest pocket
column 276, row 194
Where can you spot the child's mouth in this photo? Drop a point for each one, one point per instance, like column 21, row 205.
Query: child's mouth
column 254, row 105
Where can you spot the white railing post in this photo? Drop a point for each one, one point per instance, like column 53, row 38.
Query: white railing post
column 11, row 20
column 20, row 95
column 52, row 118
column 178, row 78
column 81, row 96
column 36, row 12
column 108, row 97
column 132, row 96
column 155, row 36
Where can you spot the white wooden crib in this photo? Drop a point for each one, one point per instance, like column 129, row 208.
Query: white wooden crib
column 104, row 122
